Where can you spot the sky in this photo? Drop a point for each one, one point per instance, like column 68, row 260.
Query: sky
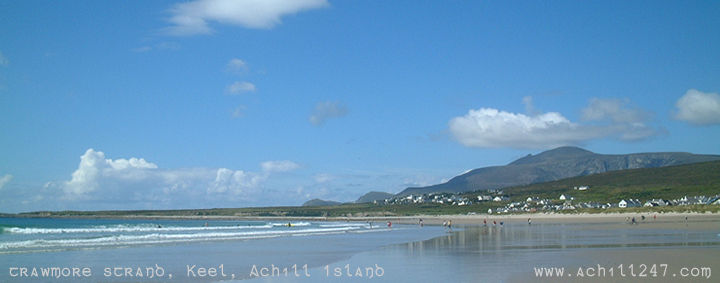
column 218, row 103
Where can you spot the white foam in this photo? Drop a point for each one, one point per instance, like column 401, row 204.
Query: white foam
column 160, row 238
column 363, row 225
column 291, row 224
column 125, row 228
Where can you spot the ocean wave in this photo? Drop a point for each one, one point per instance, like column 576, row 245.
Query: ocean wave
column 125, row 228
column 292, row 224
column 160, row 238
column 363, row 225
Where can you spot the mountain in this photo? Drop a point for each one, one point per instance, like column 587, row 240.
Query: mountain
column 373, row 196
column 319, row 202
column 556, row 164
column 669, row 182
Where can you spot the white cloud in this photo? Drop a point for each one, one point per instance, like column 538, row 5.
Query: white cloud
column 698, row 108
column 93, row 166
column 4, row 180
column 492, row 128
column 192, row 18
column 227, row 180
column 133, row 181
column 327, row 110
column 3, row 61
column 241, row 87
column 279, row 166
column 237, row 65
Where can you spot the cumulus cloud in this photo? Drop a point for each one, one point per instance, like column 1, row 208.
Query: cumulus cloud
column 192, row 18
column 240, row 87
column 135, row 180
column 699, row 108
column 4, row 180
column 493, row 128
column 327, row 110
column 94, row 166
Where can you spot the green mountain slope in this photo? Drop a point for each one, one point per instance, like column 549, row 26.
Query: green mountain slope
column 556, row 164
column 666, row 182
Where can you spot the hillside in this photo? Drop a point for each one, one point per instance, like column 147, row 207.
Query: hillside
column 319, row 202
column 556, row 164
column 666, row 182
column 373, row 196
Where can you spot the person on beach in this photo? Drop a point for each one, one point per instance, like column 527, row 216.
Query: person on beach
column 389, row 224
column 633, row 221
column 449, row 225
column 654, row 217
column 420, row 222
column 485, row 222
column 642, row 217
column 529, row 221
column 370, row 223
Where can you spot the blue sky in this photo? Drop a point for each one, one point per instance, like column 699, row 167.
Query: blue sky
column 193, row 104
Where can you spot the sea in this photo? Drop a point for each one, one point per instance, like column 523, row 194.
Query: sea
column 162, row 250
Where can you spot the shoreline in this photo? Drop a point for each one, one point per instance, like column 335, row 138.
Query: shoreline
column 427, row 219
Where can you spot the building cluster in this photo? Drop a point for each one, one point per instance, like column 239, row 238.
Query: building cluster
column 441, row 198
column 533, row 204
column 565, row 202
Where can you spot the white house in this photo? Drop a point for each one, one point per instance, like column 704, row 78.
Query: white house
column 501, row 198
column 629, row 203
column 655, row 202
column 484, row 198
column 566, row 197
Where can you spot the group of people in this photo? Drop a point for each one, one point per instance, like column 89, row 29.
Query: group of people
column 642, row 217
column 495, row 223
column 448, row 224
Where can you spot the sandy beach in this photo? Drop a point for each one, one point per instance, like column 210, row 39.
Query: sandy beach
column 512, row 218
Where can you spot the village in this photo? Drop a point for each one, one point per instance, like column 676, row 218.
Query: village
column 563, row 202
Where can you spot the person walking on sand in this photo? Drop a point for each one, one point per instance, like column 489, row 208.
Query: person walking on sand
column 529, row 221
column 633, row 220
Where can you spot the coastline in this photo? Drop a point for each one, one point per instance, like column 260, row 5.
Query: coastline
column 427, row 219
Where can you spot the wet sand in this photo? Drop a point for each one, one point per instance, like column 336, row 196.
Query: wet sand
column 511, row 252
